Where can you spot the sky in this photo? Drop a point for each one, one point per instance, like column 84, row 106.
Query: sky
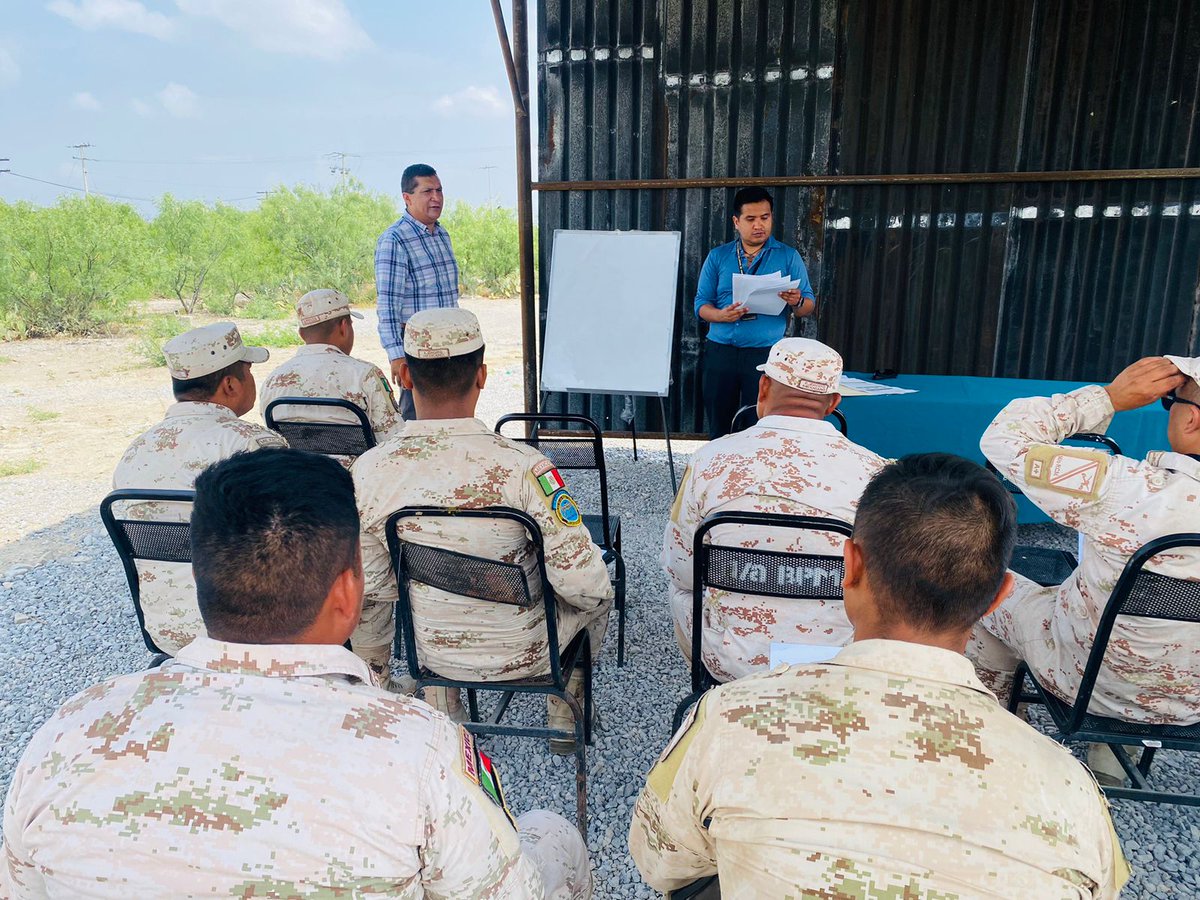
column 222, row 99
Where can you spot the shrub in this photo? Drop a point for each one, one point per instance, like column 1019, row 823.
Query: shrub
column 154, row 332
column 485, row 245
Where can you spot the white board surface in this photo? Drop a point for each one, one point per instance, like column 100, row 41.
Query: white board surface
column 611, row 312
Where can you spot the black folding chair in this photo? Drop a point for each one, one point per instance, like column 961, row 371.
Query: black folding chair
column 1143, row 594
column 328, row 438
column 752, row 570
column 744, row 418
column 581, row 448
column 494, row 581
column 1044, row 565
column 144, row 539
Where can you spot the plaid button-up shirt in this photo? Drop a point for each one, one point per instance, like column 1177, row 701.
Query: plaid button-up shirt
column 414, row 270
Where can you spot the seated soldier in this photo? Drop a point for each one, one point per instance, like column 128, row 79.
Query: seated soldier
column 323, row 367
column 1152, row 670
column 446, row 457
column 794, row 462
column 889, row 771
column 213, row 387
column 262, row 761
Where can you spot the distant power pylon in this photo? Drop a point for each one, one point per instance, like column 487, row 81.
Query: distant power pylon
column 340, row 169
column 82, row 157
column 488, row 169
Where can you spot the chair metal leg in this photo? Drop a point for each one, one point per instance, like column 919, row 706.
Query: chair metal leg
column 473, row 704
column 588, row 703
column 1144, row 761
column 620, row 591
column 580, row 760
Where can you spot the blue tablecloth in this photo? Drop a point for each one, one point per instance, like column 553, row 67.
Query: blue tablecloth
column 949, row 414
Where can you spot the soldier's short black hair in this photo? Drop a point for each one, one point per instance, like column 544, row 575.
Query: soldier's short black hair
column 202, row 388
column 408, row 180
column 937, row 532
column 751, row 195
column 446, row 378
column 271, row 531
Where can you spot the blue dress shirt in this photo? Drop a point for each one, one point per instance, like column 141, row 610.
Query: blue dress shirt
column 716, row 287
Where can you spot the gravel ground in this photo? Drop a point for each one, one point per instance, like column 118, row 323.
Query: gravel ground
column 67, row 622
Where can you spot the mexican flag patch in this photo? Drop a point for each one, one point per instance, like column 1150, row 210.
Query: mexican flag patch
column 550, row 482
column 489, row 780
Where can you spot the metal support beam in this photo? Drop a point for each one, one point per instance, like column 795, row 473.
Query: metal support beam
column 516, row 62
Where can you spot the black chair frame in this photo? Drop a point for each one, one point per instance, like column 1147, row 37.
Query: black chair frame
column 839, row 419
column 702, row 552
column 298, row 433
column 604, row 528
column 172, row 536
column 1046, row 566
column 563, row 662
column 1072, row 719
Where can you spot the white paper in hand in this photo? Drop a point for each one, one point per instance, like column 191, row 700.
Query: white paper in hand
column 799, row 654
column 760, row 293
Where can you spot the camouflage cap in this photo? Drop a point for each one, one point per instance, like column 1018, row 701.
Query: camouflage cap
column 202, row 351
column 322, row 305
column 442, row 333
column 805, row 365
column 1189, row 366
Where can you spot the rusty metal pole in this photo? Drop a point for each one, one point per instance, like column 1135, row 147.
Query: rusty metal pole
column 516, row 63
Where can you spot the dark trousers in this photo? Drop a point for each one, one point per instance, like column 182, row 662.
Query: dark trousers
column 730, row 382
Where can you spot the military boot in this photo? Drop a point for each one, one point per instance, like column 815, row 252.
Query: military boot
column 560, row 717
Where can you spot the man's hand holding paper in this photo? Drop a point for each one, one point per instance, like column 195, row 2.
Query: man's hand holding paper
column 761, row 293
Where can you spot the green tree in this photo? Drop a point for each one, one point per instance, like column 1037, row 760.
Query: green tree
column 485, row 246
column 188, row 241
column 69, row 267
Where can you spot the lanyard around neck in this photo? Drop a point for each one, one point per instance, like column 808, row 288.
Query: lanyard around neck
column 752, row 264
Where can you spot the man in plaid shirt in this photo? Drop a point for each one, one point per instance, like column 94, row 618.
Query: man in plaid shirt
column 414, row 267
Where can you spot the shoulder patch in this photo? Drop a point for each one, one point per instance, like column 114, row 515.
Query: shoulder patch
column 489, row 781
column 542, row 466
column 387, row 389
column 1067, row 470
column 662, row 776
column 470, row 762
column 565, row 509
column 548, row 479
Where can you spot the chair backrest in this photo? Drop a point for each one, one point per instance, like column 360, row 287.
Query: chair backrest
column 328, row 438
column 490, row 580
column 753, row 570
column 1142, row 594
column 742, row 419
column 578, row 445
column 136, row 538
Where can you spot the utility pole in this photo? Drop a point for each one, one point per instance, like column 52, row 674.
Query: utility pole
column 488, row 169
column 82, row 157
column 5, row 170
column 340, row 169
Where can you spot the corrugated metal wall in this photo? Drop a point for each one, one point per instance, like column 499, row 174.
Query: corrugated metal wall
column 1060, row 279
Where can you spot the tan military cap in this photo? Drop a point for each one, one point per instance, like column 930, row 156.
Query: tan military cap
column 203, row 351
column 322, row 305
column 442, row 333
column 805, row 365
column 1189, row 366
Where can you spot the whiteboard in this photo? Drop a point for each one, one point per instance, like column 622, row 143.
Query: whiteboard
column 610, row 314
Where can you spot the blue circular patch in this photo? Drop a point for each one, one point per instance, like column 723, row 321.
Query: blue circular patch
column 564, row 507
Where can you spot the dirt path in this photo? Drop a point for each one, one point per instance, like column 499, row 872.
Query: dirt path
column 70, row 407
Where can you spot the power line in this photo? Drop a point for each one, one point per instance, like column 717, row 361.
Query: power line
column 249, row 161
column 340, row 169
column 71, row 187
column 82, row 157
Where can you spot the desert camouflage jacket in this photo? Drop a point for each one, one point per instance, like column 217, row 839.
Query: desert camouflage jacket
column 888, row 772
column 241, row 770
column 784, row 464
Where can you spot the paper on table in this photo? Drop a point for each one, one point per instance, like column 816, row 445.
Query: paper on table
column 858, row 387
column 760, row 293
column 798, row 654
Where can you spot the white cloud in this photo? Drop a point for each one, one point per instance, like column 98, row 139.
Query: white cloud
column 472, row 102
column 179, row 101
column 85, row 100
column 141, row 107
column 323, row 29
column 10, row 72
column 126, row 15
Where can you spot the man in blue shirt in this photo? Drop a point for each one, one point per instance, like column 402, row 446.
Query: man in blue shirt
column 414, row 267
column 738, row 341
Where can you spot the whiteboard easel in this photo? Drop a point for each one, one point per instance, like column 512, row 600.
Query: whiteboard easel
column 610, row 316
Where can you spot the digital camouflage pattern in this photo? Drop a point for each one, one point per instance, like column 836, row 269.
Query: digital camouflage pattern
column 208, row 349
column 230, row 772
column 168, row 457
column 322, row 370
column 1118, row 504
column 784, row 464
column 463, row 463
column 804, row 364
column 441, row 333
column 888, row 772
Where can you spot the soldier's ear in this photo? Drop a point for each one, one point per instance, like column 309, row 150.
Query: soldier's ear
column 853, row 558
column 1006, row 588
column 406, row 381
column 481, row 376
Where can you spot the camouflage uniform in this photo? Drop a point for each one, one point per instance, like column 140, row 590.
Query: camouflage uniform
column 817, row 781
column 784, row 464
column 322, row 370
column 187, row 780
column 168, row 457
column 1152, row 673
column 462, row 462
